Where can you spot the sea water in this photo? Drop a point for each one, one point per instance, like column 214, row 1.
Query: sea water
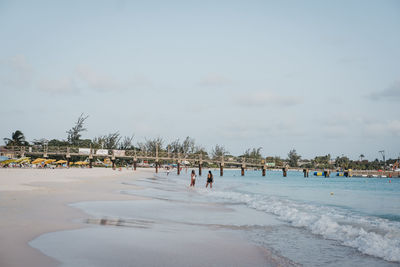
column 359, row 213
column 322, row 221
column 307, row 221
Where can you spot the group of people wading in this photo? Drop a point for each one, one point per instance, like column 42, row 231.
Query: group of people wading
column 210, row 179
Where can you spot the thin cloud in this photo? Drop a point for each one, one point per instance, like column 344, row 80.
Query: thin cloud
column 257, row 130
column 63, row 85
column 16, row 72
column 261, row 99
column 104, row 82
column 380, row 128
column 335, row 131
column 390, row 93
column 98, row 81
column 214, row 80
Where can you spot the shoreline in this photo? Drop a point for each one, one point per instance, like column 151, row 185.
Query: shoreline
column 152, row 231
column 36, row 202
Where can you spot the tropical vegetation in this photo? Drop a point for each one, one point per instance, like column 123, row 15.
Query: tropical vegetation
column 188, row 146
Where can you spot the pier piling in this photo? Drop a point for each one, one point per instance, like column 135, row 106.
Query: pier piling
column 284, row 170
column 264, row 168
column 200, row 163
column 68, row 156
column 91, row 158
column 156, row 162
column 221, row 169
column 113, row 160
column 199, row 168
column 243, row 166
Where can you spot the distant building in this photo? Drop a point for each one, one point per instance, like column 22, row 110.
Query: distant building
column 5, row 152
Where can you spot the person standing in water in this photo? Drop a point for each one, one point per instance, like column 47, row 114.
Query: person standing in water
column 193, row 178
column 210, row 179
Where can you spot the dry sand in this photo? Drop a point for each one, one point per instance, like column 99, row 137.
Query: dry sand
column 34, row 201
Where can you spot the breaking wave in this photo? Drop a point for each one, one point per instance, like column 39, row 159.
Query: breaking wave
column 370, row 235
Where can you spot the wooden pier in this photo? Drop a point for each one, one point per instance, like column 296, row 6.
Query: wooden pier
column 157, row 157
column 164, row 157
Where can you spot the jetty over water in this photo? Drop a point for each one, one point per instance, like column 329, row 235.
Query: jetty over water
column 165, row 157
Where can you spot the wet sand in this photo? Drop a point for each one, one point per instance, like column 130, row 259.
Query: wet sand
column 34, row 202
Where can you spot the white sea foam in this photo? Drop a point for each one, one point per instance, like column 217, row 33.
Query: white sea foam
column 370, row 235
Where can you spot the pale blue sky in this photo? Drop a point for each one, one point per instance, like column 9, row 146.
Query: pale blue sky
column 318, row 76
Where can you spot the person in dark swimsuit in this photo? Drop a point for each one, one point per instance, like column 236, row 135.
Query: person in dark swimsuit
column 210, row 179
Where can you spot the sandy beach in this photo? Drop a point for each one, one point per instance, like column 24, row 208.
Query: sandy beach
column 34, row 201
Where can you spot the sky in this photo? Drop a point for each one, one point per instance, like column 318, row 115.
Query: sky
column 321, row 77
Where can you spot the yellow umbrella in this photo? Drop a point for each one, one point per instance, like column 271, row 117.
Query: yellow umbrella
column 81, row 163
column 26, row 161
column 8, row 161
column 22, row 160
column 39, row 160
column 61, row 161
column 49, row 161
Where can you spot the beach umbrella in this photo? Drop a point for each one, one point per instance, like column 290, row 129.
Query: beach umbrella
column 26, row 160
column 81, row 163
column 8, row 161
column 49, row 161
column 39, row 160
column 23, row 160
column 61, row 161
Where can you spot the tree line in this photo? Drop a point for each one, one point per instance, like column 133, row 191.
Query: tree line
column 188, row 146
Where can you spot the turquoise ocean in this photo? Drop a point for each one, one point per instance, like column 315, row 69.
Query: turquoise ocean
column 312, row 221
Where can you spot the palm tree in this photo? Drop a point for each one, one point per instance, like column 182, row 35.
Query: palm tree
column 362, row 157
column 17, row 139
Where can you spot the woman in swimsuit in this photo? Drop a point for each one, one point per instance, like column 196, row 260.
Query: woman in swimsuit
column 210, row 179
column 192, row 178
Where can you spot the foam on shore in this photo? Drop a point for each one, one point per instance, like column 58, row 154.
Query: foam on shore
column 370, row 235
